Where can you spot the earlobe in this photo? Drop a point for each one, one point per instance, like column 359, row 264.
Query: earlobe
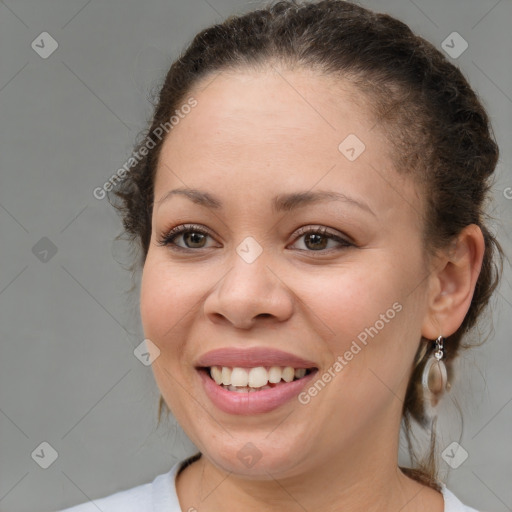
column 453, row 283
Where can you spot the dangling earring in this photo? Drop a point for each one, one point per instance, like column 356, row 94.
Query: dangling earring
column 435, row 377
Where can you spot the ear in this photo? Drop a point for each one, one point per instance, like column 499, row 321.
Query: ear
column 452, row 283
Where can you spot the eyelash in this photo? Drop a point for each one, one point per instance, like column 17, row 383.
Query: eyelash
column 167, row 239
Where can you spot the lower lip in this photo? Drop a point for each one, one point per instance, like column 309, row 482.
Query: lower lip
column 255, row 402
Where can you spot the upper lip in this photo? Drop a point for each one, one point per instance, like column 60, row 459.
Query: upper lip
column 252, row 357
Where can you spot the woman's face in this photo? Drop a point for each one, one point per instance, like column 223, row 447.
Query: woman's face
column 255, row 160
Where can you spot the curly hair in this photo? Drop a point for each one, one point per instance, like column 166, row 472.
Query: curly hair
column 422, row 103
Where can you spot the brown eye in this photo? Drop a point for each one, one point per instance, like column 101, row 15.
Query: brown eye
column 193, row 237
column 317, row 239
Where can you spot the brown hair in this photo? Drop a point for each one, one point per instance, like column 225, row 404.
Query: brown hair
column 440, row 131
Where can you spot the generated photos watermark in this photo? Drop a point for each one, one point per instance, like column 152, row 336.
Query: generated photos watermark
column 150, row 143
column 342, row 360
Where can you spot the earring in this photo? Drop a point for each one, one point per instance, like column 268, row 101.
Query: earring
column 435, row 377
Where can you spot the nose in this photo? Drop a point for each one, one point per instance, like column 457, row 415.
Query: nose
column 248, row 293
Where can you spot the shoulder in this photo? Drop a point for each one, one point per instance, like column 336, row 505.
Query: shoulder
column 130, row 500
column 452, row 503
column 158, row 495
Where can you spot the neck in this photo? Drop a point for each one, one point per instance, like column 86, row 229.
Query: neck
column 364, row 477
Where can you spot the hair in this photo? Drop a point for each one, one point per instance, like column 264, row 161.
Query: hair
column 439, row 130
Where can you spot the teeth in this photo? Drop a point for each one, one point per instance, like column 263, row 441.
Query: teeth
column 251, row 379
column 300, row 372
column 274, row 374
column 216, row 374
column 226, row 375
column 239, row 377
column 288, row 374
column 245, row 389
column 258, row 377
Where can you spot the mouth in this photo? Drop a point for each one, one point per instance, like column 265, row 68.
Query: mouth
column 253, row 379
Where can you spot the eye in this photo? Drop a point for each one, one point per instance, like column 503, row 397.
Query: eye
column 193, row 236
column 317, row 239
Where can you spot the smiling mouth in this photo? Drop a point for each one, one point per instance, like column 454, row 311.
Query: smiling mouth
column 254, row 379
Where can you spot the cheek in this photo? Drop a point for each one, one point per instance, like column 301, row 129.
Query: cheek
column 349, row 300
column 370, row 321
column 167, row 296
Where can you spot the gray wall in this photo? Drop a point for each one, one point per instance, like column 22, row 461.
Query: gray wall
column 69, row 324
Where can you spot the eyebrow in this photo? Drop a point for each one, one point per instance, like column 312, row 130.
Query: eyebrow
column 280, row 203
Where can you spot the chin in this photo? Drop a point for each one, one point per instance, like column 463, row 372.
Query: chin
column 259, row 458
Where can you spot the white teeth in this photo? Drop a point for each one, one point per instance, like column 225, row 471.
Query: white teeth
column 239, row 377
column 252, row 379
column 258, row 377
column 288, row 374
column 226, row 376
column 216, row 373
column 274, row 374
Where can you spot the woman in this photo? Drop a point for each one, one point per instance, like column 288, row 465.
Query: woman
column 309, row 205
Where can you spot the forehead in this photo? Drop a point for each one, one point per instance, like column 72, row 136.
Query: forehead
column 259, row 105
column 280, row 130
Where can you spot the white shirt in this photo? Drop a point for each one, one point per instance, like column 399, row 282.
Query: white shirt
column 160, row 496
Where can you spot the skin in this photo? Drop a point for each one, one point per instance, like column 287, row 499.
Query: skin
column 252, row 135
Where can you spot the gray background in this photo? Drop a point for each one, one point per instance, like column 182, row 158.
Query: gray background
column 69, row 325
